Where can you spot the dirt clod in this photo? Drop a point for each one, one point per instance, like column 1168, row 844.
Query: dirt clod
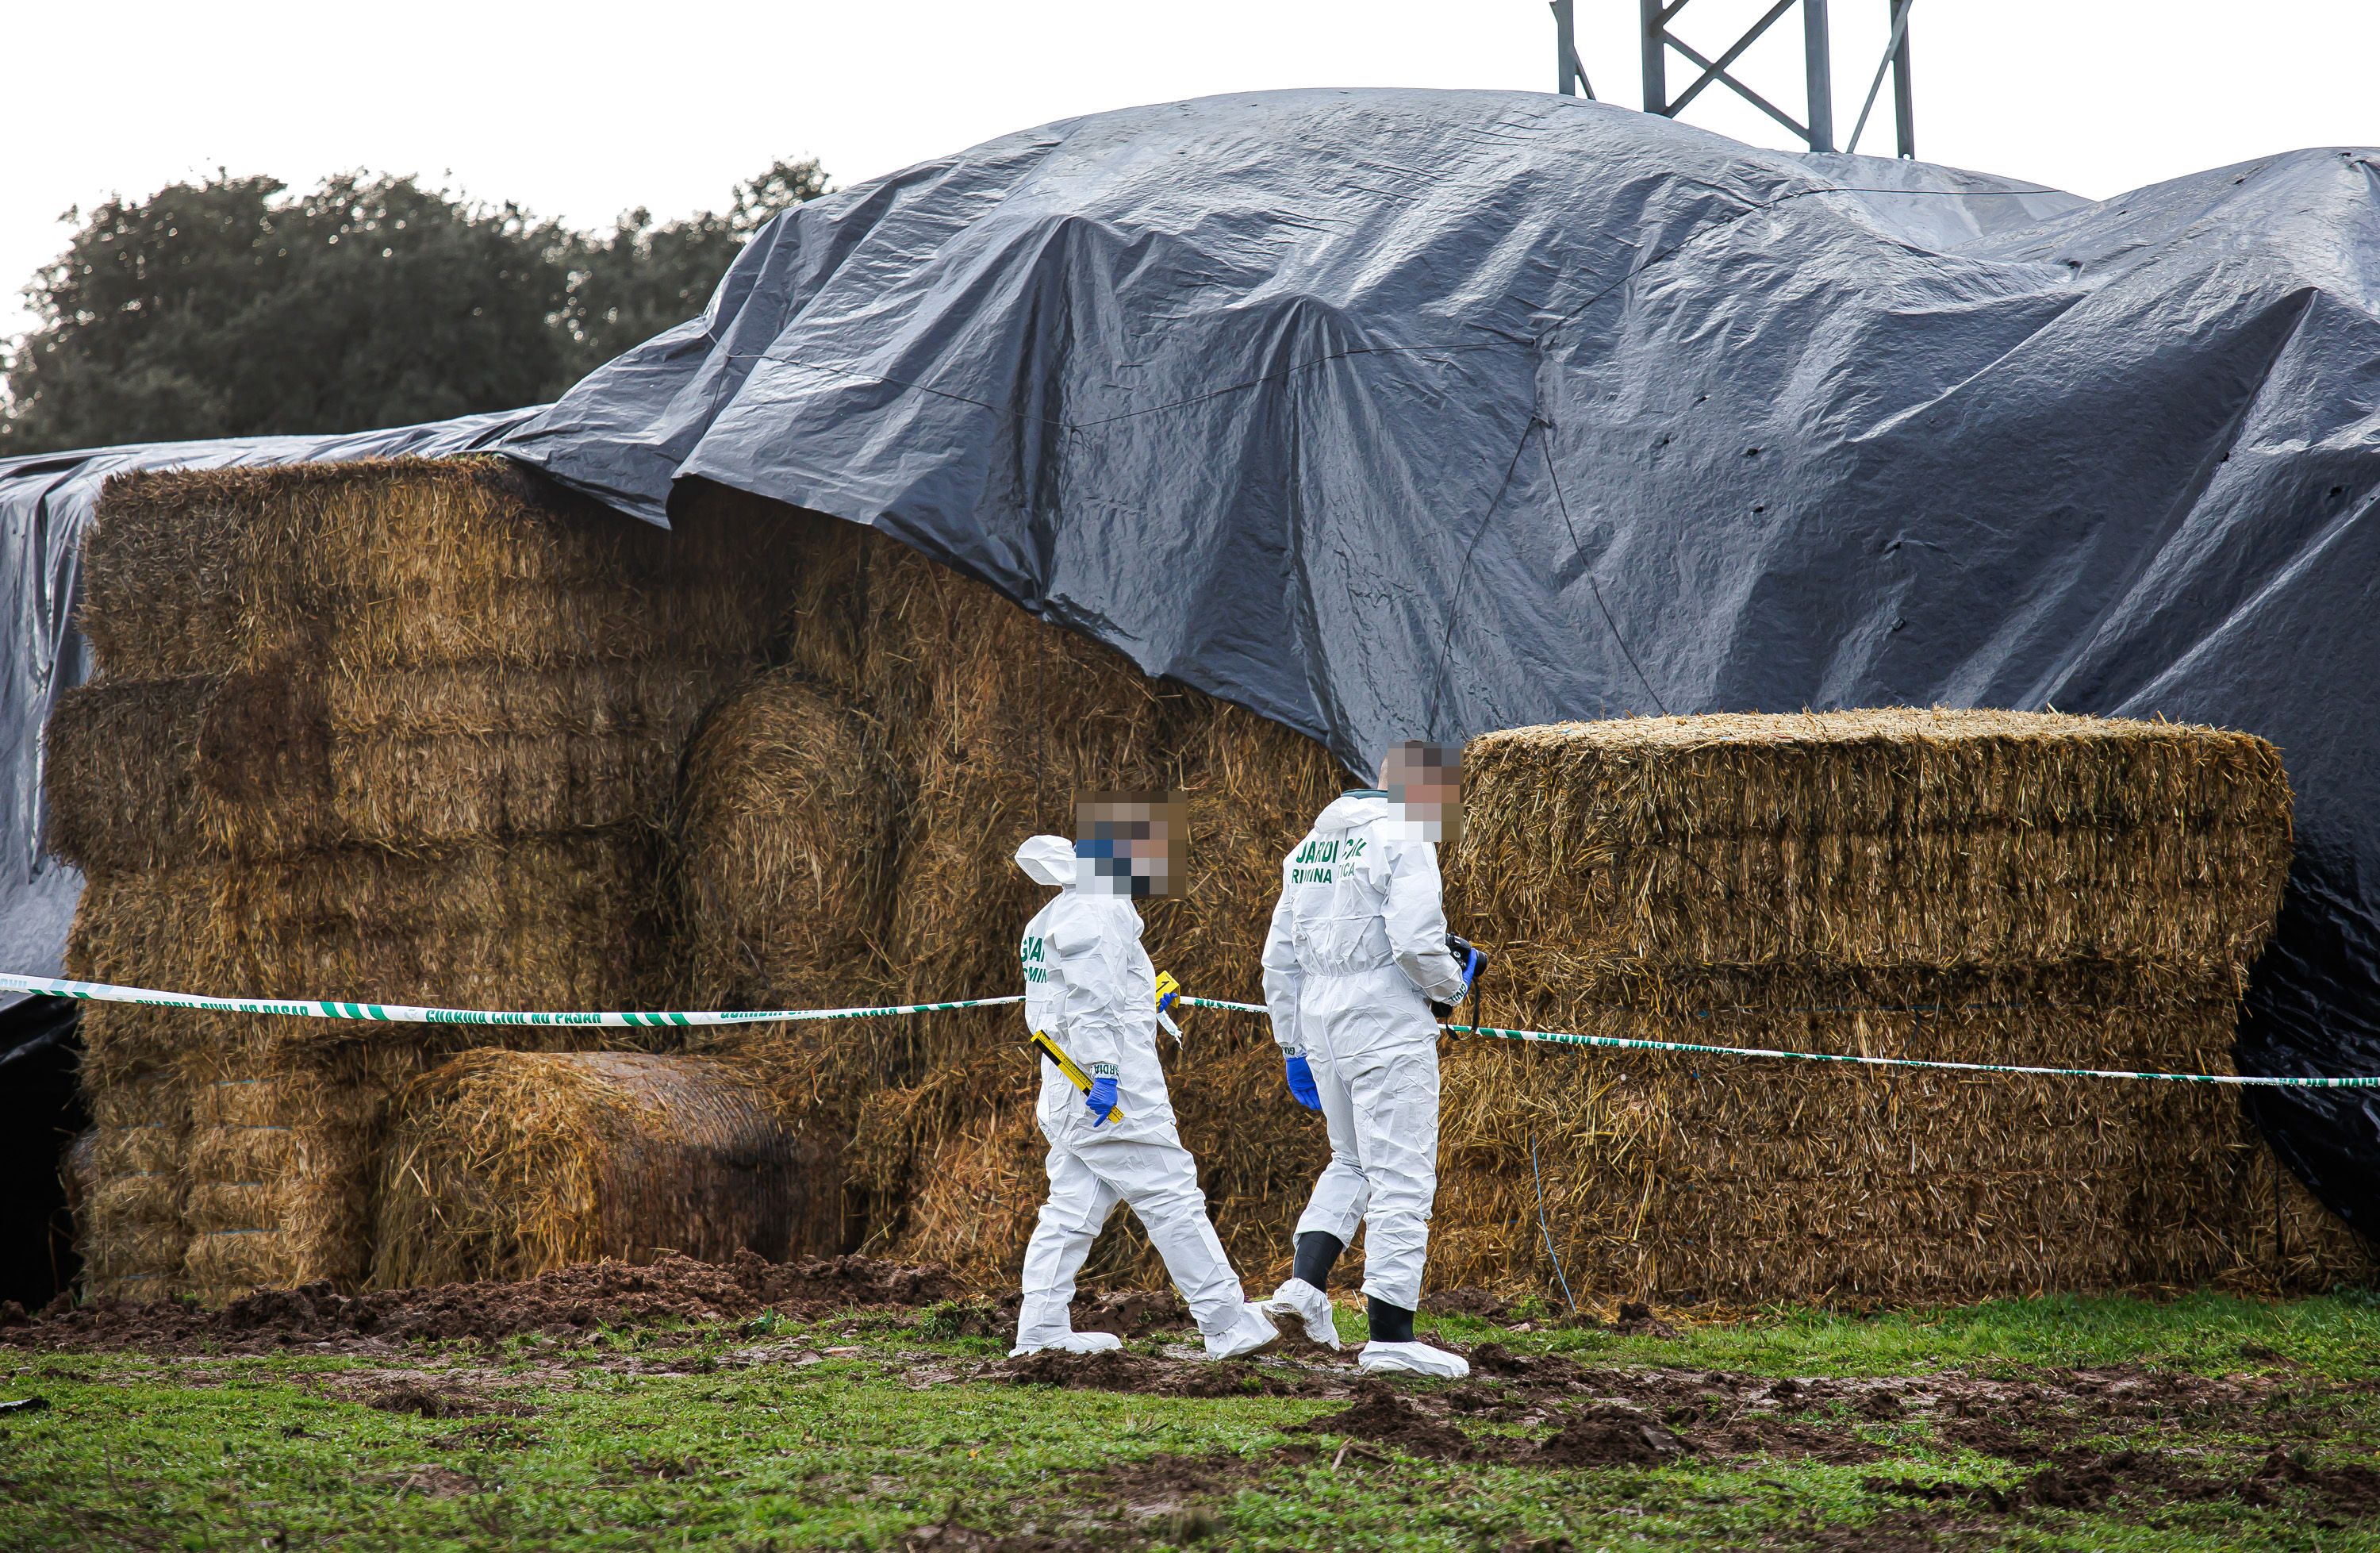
column 1470, row 1301
column 1117, row 1371
column 1609, row 1436
column 1382, row 1416
column 432, row 1401
column 1494, row 1358
column 1990, row 1437
column 437, row 1483
column 2354, row 1488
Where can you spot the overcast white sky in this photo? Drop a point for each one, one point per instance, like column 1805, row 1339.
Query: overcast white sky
column 584, row 111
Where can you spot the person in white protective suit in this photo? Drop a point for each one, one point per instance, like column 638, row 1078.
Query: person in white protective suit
column 1357, row 955
column 1090, row 985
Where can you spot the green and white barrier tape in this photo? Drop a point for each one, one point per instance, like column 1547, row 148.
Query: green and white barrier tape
column 1691, row 1048
column 404, row 1013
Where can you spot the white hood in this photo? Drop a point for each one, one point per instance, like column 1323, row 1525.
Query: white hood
column 1351, row 810
column 1047, row 859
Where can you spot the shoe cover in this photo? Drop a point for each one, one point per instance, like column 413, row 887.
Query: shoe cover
column 1069, row 1342
column 1309, row 1305
column 1412, row 1358
column 1251, row 1334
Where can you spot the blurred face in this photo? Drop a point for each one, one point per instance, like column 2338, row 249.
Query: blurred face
column 1132, row 843
column 1424, row 787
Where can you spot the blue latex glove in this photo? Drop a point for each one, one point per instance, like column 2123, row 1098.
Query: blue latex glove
column 1473, row 964
column 1101, row 1098
column 1301, row 1084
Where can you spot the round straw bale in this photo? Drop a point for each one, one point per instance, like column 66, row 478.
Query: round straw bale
column 977, row 1191
column 786, row 833
column 509, row 1164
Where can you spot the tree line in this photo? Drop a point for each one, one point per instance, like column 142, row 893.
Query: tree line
column 234, row 307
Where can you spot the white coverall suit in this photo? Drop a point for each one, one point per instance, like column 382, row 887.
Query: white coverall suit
column 1356, row 953
column 1090, row 985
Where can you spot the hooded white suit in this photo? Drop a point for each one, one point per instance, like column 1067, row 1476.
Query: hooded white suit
column 1088, row 984
column 1356, row 952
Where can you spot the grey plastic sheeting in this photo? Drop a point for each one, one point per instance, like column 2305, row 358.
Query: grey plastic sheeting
column 45, row 501
column 1399, row 413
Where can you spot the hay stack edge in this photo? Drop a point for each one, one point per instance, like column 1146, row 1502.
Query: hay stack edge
column 431, row 732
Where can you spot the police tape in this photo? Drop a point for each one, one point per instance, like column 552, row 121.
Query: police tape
column 405, row 1013
column 1691, row 1048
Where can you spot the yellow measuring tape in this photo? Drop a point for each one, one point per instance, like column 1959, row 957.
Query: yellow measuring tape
column 1075, row 1075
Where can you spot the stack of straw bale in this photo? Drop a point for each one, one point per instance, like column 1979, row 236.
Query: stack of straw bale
column 1975, row 886
column 507, row 1164
column 847, row 833
column 417, row 732
column 1981, row 887
column 398, row 731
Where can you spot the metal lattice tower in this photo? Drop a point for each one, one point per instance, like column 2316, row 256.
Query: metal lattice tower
column 1657, row 42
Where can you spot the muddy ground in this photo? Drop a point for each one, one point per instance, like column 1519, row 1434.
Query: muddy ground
column 572, row 1302
column 1516, row 1409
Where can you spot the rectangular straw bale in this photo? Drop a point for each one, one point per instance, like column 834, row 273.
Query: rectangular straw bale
column 1892, row 836
column 424, row 757
column 404, row 562
column 161, row 929
column 566, row 921
column 285, row 1152
column 253, row 1151
column 562, row 921
column 149, row 927
column 1709, row 1178
column 130, row 1241
column 130, row 1225
column 1895, row 770
column 120, row 767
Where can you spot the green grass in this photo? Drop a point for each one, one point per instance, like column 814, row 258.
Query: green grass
column 734, row 1446
column 2201, row 1333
